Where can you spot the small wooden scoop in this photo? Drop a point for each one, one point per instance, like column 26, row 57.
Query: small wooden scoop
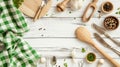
column 84, row 35
column 91, row 5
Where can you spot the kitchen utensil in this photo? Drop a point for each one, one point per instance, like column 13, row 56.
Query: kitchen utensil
column 39, row 10
column 103, row 31
column 100, row 62
column 30, row 7
column 105, row 44
column 107, row 7
column 111, row 23
column 91, row 5
column 61, row 6
column 84, row 35
column 45, row 8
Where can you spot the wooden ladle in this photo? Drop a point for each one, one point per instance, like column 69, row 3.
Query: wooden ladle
column 84, row 35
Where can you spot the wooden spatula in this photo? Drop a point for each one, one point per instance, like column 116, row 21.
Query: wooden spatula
column 38, row 12
column 84, row 35
column 91, row 5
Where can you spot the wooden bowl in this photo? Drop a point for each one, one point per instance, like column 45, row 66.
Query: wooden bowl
column 107, row 7
column 111, row 23
column 88, row 55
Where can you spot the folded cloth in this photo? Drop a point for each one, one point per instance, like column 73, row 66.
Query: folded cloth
column 17, row 52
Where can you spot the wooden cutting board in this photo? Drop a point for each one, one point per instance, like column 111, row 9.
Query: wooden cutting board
column 30, row 7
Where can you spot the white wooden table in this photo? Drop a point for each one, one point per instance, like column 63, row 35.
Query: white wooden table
column 53, row 35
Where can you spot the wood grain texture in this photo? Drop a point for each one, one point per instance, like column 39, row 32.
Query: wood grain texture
column 63, row 27
column 54, row 35
column 30, row 7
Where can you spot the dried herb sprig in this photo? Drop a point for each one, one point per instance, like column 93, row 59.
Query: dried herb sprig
column 83, row 50
column 118, row 11
column 65, row 65
column 17, row 3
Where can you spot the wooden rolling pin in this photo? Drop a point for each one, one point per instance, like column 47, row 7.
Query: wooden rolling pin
column 84, row 35
column 61, row 6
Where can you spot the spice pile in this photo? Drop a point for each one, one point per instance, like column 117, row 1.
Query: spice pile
column 107, row 6
column 91, row 57
column 111, row 23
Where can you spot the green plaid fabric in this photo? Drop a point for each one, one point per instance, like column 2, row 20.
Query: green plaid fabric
column 17, row 52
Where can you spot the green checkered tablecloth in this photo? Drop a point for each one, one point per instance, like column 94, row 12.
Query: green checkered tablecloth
column 17, row 52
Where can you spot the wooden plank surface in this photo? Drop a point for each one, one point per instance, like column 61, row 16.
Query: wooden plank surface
column 53, row 35
column 63, row 27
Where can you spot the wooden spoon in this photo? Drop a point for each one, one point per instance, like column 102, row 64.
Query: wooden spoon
column 84, row 35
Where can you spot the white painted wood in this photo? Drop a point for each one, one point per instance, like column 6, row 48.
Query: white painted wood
column 63, row 27
column 53, row 35
column 58, row 47
column 60, row 62
column 71, row 64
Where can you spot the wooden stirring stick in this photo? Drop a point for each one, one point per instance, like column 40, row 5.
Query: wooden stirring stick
column 61, row 6
column 84, row 35
column 38, row 12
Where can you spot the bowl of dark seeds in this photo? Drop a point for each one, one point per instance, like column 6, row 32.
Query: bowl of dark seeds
column 107, row 7
column 111, row 23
